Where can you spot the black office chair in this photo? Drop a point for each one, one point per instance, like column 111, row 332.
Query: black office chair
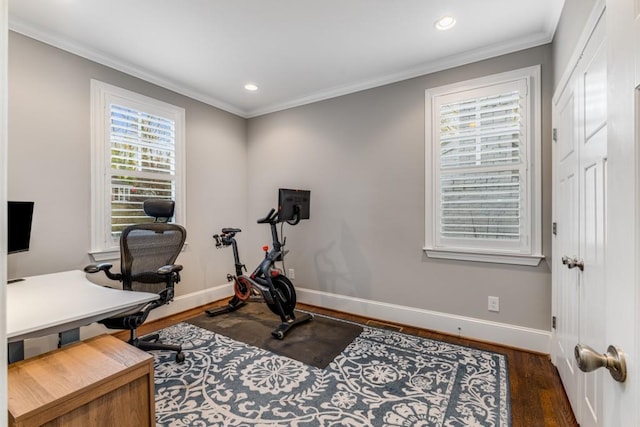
column 147, row 255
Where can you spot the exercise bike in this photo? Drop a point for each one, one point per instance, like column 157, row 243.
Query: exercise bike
column 266, row 284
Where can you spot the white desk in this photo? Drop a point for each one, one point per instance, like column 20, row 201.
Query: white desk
column 61, row 302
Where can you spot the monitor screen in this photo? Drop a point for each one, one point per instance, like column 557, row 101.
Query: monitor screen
column 19, row 216
column 293, row 205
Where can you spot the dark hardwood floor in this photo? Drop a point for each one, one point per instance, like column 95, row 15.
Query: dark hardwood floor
column 537, row 396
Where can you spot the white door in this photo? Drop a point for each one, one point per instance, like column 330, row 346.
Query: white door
column 592, row 140
column 580, row 150
column 566, row 243
column 622, row 307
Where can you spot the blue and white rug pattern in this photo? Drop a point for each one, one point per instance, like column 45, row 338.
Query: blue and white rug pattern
column 382, row 378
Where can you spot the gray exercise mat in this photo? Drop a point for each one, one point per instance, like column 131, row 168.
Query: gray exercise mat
column 315, row 343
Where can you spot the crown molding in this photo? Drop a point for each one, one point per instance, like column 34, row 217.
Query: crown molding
column 464, row 58
column 67, row 45
column 421, row 70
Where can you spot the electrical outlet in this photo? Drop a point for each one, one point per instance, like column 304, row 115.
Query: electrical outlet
column 494, row 304
column 292, row 274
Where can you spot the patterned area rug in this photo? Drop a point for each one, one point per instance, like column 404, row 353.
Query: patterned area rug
column 383, row 378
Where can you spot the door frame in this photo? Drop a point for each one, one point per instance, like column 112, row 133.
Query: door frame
column 4, row 100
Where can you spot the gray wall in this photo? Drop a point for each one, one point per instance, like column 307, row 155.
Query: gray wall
column 362, row 156
column 49, row 162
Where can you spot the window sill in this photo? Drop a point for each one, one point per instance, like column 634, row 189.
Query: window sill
column 105, row 255
column 114, row 254
column 513, row 259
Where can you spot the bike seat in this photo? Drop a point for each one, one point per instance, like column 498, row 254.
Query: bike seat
column 230, row 230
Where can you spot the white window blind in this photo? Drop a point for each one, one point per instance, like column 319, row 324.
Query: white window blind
column 480, row 161
column 143, row 150
column 483, row 167
column 137, row 154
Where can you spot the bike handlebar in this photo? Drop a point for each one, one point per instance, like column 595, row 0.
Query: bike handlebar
column 269, row 218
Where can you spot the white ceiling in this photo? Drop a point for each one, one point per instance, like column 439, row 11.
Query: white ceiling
column 296, row 51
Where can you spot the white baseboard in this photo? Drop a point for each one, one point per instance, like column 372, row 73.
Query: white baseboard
column 484, row 330
column 189, row 301
column 500, row 333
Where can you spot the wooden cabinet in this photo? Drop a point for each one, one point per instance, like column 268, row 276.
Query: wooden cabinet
column 102, row 381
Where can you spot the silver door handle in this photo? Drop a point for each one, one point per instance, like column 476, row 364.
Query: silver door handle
column 573, row 262
column 577, row 263
column 614, row 360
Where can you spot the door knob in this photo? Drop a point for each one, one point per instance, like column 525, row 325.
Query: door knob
column 614, row 360
column 577, row 263
column 573, row 262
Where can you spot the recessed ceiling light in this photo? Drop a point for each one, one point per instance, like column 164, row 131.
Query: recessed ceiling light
column 445, row 23
column 251, row 87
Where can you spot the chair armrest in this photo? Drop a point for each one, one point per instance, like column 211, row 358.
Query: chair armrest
column 172, row 274
column 104, row 266
column 169, row 269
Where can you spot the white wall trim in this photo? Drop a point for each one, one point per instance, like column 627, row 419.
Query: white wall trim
column 475, row 55
column 421, row 70
column 195, row 299
column 484, row 330
column 513, row 259
column 528, row 339
column 527, row 249
column 4, row 100
column 25, row 29
column 103, row 244
column 589, row 27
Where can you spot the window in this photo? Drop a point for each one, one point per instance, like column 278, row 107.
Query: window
column 483, row 198
column 137, row 154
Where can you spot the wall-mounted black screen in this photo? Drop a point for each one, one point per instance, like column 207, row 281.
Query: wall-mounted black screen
column 293, row 205
column 19, row 217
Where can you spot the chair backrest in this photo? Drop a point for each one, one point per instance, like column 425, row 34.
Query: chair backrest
column 146, row 247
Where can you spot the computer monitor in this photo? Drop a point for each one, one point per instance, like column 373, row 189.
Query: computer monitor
column 19, row 218
column 293, row 205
